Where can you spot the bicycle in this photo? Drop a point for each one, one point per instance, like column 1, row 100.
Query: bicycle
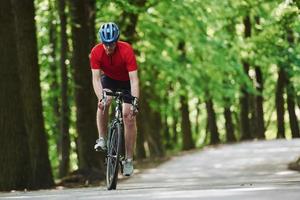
column 115, row 142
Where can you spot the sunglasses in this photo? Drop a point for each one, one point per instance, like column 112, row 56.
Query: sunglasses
column 110, row 45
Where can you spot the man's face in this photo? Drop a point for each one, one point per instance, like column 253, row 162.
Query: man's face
column 110, row 48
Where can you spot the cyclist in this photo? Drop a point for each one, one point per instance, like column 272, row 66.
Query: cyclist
column 114, row 67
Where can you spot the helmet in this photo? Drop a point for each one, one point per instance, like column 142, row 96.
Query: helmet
column 109, row 32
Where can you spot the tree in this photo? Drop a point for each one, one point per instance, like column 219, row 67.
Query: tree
column 91, row 22
column 259, row 112
column 291, row 110
column 244, row 100
column 31, row 92
column 15, row 170
column 230, row 137
column 187, row 139
column 285, row 65
column 279, row 101
column 151, row 125
column 212, row 122
column 84, row 96
column 64, row 140
column 140, row 152
column 291, row 97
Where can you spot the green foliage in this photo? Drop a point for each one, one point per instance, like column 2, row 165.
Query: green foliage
column 45, row 13
column 46, row 17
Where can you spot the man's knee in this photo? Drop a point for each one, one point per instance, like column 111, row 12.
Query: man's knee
column 107, row 105
column 128, row 120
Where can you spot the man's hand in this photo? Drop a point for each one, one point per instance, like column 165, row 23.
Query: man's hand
column 134, row 109
column 104, row 101
column 100, row 104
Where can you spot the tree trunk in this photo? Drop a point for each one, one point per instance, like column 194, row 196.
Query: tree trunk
column 187, row 138
column 155, row 147
column 166, row 132
column 260, row 124
column 92, row 25
column 259, row 85
column 150, row 120
column 291, row 110
column 140, row 152
column 197, row 125
column 86, row 103
column 230, row 137
column 174, row 128
column 290, row 90
column 64, row 154
column 212, row 123
column 153, row 134
column 207, row 135
column 15, row 170
column 244, row 100
column 31, row 92
column 279, row 101
column 252, row 115
column 129, row 21
column 236, row 118
column 244, row 113
column 156, row 132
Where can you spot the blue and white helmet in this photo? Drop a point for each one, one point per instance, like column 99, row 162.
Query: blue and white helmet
column 109, row 32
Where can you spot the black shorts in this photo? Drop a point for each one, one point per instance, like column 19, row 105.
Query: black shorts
column 114, row 85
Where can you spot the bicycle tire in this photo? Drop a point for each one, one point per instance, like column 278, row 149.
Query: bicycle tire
column 113, row 158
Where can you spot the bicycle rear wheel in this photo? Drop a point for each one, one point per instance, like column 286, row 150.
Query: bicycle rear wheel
column 113, row 156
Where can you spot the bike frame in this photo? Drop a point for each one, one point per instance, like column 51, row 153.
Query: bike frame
column 118, row 117
column 116, row 124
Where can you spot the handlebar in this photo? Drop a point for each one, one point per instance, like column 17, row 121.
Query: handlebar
column 119, row 95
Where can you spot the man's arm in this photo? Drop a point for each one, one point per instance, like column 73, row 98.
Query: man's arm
column 134, row 82
column 97, row 83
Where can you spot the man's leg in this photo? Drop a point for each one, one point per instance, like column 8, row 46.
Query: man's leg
column 102, row 123
column 130, row 130
column 130, row 137
column 102, row 118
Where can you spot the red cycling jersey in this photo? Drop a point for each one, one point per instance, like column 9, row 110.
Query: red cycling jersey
column 116, row 66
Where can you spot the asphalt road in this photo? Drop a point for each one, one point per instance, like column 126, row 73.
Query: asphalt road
column 250, row 170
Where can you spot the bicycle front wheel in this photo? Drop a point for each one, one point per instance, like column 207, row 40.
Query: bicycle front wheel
column 114, row 150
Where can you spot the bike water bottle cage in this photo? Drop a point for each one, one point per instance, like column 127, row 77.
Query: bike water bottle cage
column 109, row 33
